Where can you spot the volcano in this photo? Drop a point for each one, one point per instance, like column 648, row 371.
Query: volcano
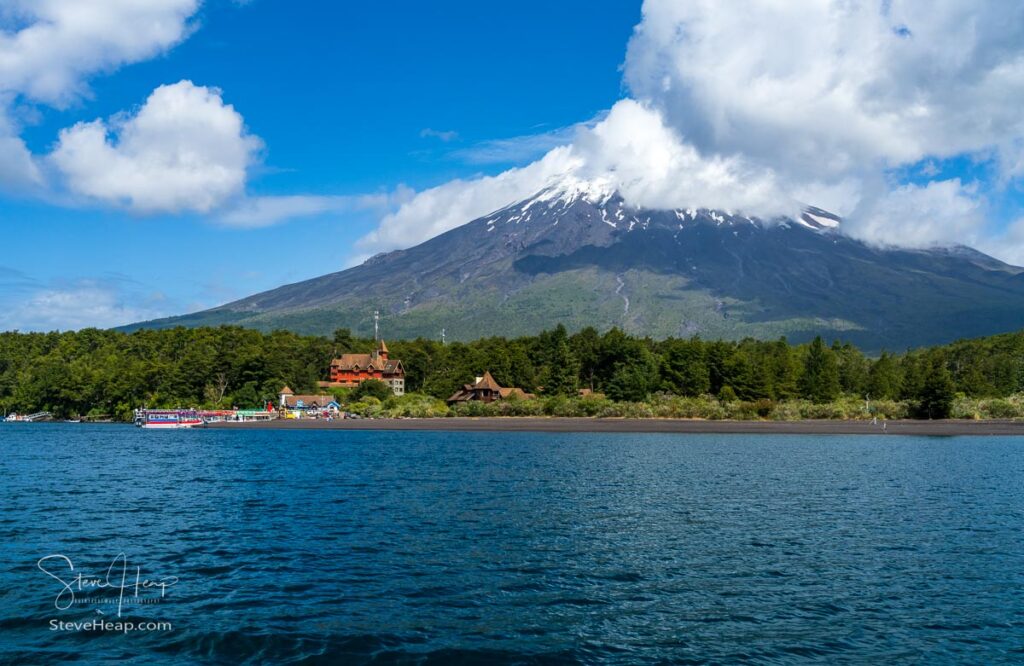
column 580, row 255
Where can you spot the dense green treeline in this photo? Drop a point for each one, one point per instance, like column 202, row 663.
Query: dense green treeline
column 110, row 373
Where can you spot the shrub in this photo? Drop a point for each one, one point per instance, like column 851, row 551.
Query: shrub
column 1003, row 408
column 764, row 407
column 373, row 388
column 414, row 405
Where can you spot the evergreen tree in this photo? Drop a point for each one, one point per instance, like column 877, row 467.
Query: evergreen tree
column 884, row 378
column 786, row 370
column 586, row 347
column 912, row 371
column 630, row 382
column 853, row 368
column 684, row 370
column 935, row 400
column 563, row 371
column 820, row 381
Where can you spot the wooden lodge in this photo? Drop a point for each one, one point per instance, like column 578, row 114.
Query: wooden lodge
column 485, row 389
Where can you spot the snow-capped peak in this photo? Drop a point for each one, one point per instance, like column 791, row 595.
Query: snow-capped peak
column 569, row 189
column 604, row 205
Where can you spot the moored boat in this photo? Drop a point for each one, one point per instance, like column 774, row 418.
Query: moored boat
column 167, row 419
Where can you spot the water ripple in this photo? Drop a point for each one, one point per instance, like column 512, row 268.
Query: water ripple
column 438, row 548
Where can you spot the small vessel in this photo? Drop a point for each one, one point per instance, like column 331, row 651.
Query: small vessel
column 167, row 419
column 14, row 417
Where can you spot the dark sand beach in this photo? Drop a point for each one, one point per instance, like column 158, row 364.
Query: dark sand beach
column 558, row 424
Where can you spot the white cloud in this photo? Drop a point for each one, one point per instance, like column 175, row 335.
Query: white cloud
column 834, row 86
column 60, row 43
column 631, row 150
column 86, row 303
column 185, row 149
column 1007, row 244
column 518, row 149
column 940, row 213
column 445, row 207
column 811, row 101
column 652, row 166
column 49, row 48
column 18, row 168
column 268, row 210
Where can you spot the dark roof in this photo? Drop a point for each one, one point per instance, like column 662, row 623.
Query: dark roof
column 361, row 361
column 487, row 382
column 308, row 400
column 349, row 362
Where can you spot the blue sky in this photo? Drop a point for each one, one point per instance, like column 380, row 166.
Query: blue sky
column 178, row 154
column 340, row 94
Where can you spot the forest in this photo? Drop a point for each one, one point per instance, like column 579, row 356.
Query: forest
column 106, row 374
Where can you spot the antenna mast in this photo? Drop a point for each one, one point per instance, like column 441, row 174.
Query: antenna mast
column 442, row 336
column 376, row 325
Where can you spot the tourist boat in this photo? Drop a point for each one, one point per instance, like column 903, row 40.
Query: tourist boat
column 166, row 419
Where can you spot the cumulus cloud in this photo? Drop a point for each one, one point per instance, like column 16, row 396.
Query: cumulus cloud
column 445, row 207
column 834, row 86
column 630, row 150
column 813, row 101
column 942, row 212
column 652, row 166
column 62, row 42
column 49, row 48
column 185, row 149
column 840, row 92
column 18, row 168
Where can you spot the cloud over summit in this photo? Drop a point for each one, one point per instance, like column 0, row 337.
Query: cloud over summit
column 785, row 103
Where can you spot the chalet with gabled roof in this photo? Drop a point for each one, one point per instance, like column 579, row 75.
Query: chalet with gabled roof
column 351, row 370
column 289, row 400
column 485, row 389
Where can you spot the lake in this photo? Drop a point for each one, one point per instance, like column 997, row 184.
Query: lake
column 433, row 547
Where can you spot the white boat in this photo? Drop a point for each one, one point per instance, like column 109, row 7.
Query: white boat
column 168, row 419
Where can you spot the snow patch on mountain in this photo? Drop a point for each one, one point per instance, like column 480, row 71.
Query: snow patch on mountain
column 597, row 200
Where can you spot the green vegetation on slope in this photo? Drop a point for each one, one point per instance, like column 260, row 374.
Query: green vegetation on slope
column 660, row 305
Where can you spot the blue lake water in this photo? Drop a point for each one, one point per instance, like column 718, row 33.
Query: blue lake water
column 349, row 547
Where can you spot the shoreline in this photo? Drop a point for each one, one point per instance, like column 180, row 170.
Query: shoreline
column 942, row 428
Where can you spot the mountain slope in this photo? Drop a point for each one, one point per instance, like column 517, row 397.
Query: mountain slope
column 578, row 255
